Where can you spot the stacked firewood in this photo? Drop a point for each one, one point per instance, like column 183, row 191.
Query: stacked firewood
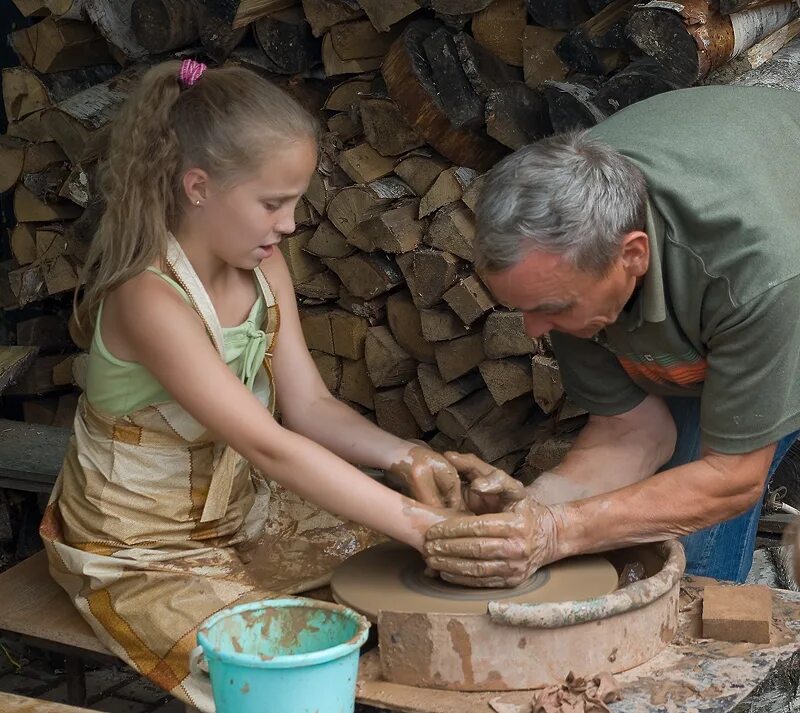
column 418, row 98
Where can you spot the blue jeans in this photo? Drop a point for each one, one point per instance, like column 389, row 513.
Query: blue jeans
column 723, row 551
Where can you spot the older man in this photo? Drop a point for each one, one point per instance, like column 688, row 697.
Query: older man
column 661, row 252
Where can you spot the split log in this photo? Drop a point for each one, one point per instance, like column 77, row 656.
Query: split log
column 456, row 420
column 62, row 275
column 384, row 14
column 415, row 401
column 395, row 230
column 373, row 310
column 385, row 128
column 80, row 124
column 505, row 429
column 440, row 324
column 28, row 207
column 30, row 128
column 571, row 106
column 164, row 25
column 504, row 336
column 507, row 379
column 327, row 241
column 355, row 204
column 484, row 71
column 346, row 125
column 302, row 265
column 12, row 160
column 63, row 371
column 248, row 11
column 472, row 192
column 347, row 94
column 57, row 45
column 438, row 393
column 406, row 326
column 757, row 55
column 429, row 274
column 558, row 14
column 546, row 453
column 287, row 42
column 459, row 356
column 458, row 7
column 548, row 391
column 499, row 28
column 394, row 416
column 334, row 64
column 51, row 242
column 324, row 14
column 26, row 91
column 360, row 39
column 448, row 187
column 517, row 115
column 388, row 364
column 693, row 38
column 330, row 369
column 356, row 385
column 641, row 79
column 38, row 379
column 32, row 8
column 586, row 47
column 420, row 172
column 469, row 299
column 46, row 186
column 66, row 9
column 780, row 71
column 40, row 410
column 441, row 443
column 23, row 243
column 76, row 187
column 363, row 164
column 728, row 7
column 65, row 410
column 305, row 215
column 113, row 19
column 539, row 59
column 453, row 230
column 349, row 333
column 321, row 287
column 366, row 275
column 14, row 362
column 316, row 325
column 410, row 82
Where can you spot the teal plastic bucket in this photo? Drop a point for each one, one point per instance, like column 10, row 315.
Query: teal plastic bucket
column 282, row 656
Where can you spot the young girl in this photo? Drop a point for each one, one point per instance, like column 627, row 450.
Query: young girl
column 157, row 511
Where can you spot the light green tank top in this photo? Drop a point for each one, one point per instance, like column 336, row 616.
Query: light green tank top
column 120, row 387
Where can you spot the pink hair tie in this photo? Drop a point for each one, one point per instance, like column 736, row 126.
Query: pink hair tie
column 191, row 71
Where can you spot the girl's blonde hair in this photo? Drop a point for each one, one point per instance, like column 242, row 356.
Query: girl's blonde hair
column 226, row 124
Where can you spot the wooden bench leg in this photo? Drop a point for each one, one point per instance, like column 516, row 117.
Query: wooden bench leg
column 76, row 681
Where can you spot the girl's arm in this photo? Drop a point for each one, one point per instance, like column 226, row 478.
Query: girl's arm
column 169, row 339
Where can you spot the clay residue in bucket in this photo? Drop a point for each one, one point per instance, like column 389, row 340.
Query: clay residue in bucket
column 237, row 647
column 246, row 688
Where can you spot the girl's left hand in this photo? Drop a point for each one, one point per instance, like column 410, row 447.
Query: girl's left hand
column 430, row 478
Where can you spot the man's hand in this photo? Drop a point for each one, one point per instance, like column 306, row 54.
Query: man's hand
column 494, row 550
column 430, row 478
column 486, row 488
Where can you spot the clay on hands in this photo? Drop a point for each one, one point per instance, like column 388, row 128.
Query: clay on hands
column 493, row 550
column 430, row 477
column 487, row 489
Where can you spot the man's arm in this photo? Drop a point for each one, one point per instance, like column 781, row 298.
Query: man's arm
column 610, row 453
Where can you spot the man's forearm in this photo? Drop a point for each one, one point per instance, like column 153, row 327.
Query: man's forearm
column 611, row 453
column 670, row 504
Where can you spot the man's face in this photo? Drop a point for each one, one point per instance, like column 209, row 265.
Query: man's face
column 552, row 294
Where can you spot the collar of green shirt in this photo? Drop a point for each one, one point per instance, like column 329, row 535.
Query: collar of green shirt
column 650, row 304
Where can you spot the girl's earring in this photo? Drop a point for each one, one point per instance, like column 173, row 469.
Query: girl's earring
column 197, row 202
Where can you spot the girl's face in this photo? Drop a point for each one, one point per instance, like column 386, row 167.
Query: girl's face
column 245, row 223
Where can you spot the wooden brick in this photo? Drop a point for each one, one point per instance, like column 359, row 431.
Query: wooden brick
column 741, row 613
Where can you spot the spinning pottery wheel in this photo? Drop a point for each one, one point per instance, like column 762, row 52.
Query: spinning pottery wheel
column 392, row 576
column 572, row 616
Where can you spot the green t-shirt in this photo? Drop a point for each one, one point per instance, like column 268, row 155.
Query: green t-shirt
column 718, row 312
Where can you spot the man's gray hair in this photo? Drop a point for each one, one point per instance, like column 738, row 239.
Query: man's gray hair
column 570, row 195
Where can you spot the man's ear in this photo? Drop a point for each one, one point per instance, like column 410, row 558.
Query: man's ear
column 196, row 186
column 635, row 252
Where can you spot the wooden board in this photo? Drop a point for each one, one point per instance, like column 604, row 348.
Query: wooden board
column 9, row 703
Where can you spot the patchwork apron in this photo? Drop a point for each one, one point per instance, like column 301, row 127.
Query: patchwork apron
column 153, row 525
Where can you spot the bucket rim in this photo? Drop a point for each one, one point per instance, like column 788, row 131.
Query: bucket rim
column 287, row 660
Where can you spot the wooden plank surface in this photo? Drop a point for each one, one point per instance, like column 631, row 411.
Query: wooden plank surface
column 9, row 703
column 31, row 453
column 14, row 362
column 35, row 606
